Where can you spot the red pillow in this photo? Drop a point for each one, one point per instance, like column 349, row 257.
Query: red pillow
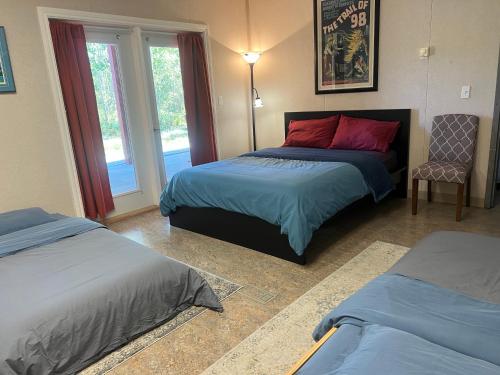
column 364, row 134
column 311, row 133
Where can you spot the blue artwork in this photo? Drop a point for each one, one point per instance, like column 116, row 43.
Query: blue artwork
column 6, row 77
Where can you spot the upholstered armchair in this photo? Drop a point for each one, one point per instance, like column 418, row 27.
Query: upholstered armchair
column 451, row 154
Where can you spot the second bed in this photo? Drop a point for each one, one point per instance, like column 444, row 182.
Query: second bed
column 273, row 200
column 437, row 311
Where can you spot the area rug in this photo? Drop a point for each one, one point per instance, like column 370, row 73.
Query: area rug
column 276, row 346
column 222, row 288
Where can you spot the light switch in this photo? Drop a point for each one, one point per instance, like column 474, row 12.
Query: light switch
column 465, row 92
column 220, row 100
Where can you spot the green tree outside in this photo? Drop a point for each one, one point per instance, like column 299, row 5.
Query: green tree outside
column 103, row 84
column 167, row 84
column 168, row 89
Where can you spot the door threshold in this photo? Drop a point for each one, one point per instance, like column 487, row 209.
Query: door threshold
column 128, row 215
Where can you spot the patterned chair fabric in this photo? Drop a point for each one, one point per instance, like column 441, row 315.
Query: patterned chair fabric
column 451, row 152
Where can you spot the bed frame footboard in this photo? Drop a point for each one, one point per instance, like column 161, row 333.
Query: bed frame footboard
column 236, row 228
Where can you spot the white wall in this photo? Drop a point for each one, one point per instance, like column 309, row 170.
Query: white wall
column 465, row 38
column 32, row 169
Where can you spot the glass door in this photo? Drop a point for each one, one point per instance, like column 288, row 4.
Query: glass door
column 167, row 95
column 123, row 137
column 112, row 117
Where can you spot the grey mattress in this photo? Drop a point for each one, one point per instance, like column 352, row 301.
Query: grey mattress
column 66, row 304
column 465, row 262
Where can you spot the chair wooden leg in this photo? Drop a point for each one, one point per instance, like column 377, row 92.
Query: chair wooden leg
column 460, row 200
column 467, row 193
column 414, row 197
column 429, row 191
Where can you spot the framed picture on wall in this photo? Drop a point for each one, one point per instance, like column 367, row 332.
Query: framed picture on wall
column 346, row 45
column 6, row 77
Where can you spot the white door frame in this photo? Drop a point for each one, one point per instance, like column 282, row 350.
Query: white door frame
column 138, row 26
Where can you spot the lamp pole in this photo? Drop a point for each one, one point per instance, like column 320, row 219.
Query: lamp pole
column 251, row 58
column 252, row 89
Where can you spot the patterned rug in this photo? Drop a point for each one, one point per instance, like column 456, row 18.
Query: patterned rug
column 279, row 343
column 222, row 288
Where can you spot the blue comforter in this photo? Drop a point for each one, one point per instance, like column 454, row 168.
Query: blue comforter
column 377, row 350
column 438, row 315
column 374, row 172
column 289, row 187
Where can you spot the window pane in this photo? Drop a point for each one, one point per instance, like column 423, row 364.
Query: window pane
column 115, row 134
column 169, row 93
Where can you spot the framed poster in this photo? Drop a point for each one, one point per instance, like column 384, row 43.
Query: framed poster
column 346, row 45
column 6, row 77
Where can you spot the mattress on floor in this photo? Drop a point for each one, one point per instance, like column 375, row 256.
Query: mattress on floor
column 441, row 298
column 73, row 299
column 465, row 262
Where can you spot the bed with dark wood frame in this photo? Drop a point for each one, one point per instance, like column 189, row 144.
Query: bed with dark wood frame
column 257, row 234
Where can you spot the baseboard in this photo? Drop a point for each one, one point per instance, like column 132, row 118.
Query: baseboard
column 448, row 198
column 121, row 217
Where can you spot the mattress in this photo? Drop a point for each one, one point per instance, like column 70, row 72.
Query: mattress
column 464, row 262
column 79, row 295
column 435, row 311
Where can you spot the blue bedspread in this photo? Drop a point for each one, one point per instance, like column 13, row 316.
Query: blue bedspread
column 44, row 234
column 297, row 195
column 373, row 169
column 377, row 350
column 441, row 316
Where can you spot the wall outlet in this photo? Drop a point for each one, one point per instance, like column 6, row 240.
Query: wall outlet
column 465, row 94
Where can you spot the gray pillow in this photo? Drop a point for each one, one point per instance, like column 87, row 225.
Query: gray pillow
column 21, row 219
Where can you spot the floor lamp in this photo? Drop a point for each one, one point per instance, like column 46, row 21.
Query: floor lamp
column 251, row 58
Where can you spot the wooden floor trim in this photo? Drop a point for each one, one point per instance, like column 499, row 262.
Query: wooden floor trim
column 128, row 215
column 311, row 352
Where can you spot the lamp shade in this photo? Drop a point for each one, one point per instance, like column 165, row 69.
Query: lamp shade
column 251, row 57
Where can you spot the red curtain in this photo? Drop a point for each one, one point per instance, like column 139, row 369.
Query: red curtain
column 81, row 109
column 197, row 99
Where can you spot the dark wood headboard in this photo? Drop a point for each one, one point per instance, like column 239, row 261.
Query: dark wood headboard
column 401, row 143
